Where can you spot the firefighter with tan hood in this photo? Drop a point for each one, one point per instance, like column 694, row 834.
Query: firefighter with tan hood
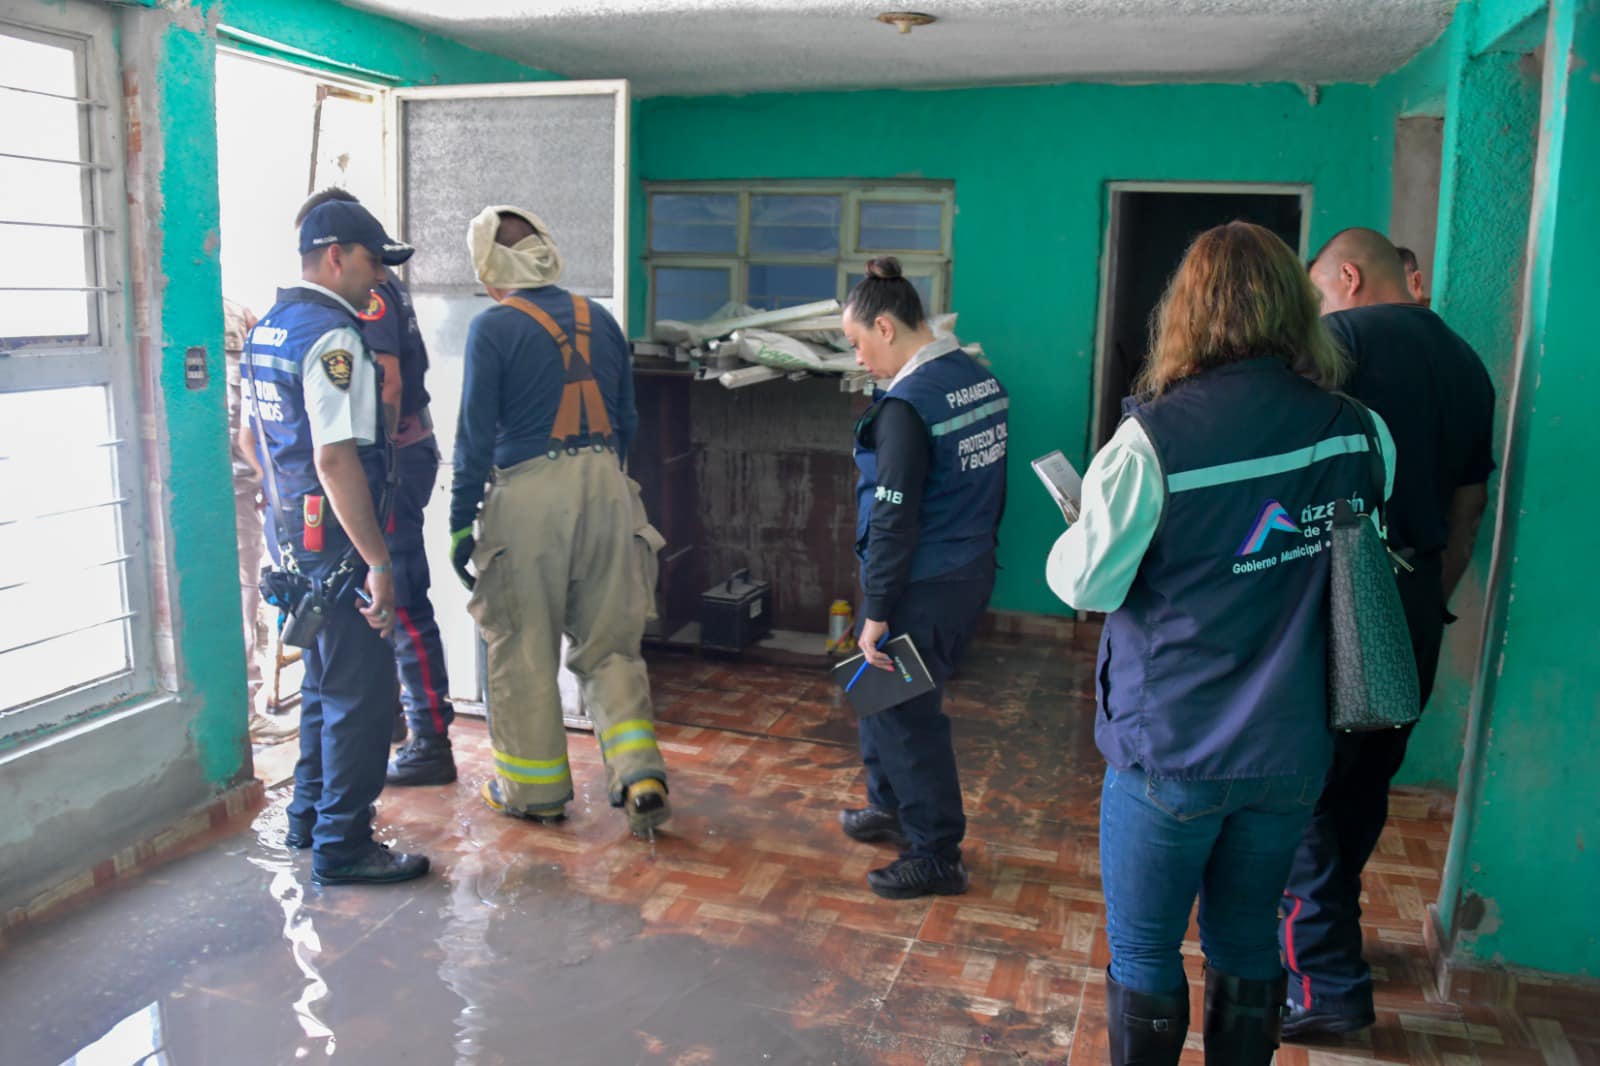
column 562, row 544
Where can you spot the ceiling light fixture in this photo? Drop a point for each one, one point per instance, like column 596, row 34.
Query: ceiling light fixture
column 905, row 21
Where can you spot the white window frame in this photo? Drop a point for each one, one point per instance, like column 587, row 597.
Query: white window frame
column 105, row 360
column 850, row 258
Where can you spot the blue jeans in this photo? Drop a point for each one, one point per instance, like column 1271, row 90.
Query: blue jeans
column 1162, row 842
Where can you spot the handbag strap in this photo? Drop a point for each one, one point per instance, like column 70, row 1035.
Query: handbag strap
column 1374, row 457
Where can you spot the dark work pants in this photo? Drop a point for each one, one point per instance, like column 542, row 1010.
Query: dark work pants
column 418, row 648
column 907, row 750
column 346, row 714
column 1321, row 927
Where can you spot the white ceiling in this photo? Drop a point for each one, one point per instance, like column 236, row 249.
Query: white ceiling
column 689, row 47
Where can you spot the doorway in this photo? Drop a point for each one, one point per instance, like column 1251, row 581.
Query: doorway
column 1151, row 226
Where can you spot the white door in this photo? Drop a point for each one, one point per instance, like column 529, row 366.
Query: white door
column 559, row 149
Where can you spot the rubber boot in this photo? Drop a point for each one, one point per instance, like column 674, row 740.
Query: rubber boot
column 1145, row 1030
column 1244, row 1019
column 647, row 806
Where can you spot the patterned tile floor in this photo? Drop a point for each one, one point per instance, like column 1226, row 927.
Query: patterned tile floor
column 743, row 935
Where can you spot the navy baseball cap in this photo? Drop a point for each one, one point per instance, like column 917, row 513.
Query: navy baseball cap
column 343, row 222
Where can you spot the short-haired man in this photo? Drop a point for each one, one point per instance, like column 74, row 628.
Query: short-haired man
column 1432, row 391
column 562, row 544
column 389, row 328
column 1413, row 269
column 310, row 388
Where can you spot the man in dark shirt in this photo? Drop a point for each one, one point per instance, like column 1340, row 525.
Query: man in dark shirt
column 562, row 544
column 1431, row 389
column 389, row 328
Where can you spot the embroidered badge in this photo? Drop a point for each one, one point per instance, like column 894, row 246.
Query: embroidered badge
column 339, row 366
column 376, row 309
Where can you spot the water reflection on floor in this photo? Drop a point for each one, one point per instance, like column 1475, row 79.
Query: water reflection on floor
column 743, row 936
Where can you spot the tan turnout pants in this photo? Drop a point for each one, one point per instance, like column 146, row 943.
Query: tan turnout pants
column 564, row 547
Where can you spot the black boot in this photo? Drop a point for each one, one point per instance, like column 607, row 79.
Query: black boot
column 424, row 761
column 1145, row 1030
column 1243, row 1019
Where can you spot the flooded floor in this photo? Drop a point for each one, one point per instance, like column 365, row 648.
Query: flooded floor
column 744, row 936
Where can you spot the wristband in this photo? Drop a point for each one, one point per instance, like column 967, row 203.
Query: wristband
column 380, row 568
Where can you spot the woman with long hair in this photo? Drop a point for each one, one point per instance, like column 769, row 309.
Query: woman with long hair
column 1204, row 533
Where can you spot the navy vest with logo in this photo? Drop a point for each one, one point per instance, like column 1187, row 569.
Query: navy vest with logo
column 1215, row 665
column 270, row 374
column 964, row 407
column 393, row 298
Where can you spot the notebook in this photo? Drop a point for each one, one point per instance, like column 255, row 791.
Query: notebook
column 871, row 690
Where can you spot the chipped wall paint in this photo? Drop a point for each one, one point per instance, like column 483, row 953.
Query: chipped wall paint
column 1030, row 167
column 1490, row 104
column 84, row 798
column 1529, row 811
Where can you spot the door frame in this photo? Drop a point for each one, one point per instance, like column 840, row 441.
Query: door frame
column 1108, row 250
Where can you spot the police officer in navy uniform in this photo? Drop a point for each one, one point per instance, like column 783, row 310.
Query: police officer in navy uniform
column 389, row 328
column 932, row 454
column 313, row 393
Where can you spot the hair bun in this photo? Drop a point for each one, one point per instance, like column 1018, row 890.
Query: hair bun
column 886, row 267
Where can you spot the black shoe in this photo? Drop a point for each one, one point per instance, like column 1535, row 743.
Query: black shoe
column 1243, row 1019
column 296, row 837
column 379, row 866
column 908, row 878
column 1145, row 1030
column 1303, row 1023
column 872, row 825
column 424, row 761
column 398, row 735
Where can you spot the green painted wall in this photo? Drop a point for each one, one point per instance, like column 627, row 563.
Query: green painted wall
column 1030, row 167
column 206, row 604
column 344, row 38
column 1523, row 866
column 1490, row 103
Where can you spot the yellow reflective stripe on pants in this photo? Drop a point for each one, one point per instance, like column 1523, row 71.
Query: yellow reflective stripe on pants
column 629, row 732
column 532, row 771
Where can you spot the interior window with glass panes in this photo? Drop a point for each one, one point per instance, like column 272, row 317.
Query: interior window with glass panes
column 772, row 245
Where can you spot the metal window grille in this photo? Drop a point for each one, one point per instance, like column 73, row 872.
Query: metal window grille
column 74, row 595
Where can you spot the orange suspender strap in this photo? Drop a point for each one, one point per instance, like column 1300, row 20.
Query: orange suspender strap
column 580, row 395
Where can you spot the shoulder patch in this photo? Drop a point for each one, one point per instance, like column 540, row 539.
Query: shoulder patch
column 376, row 309
column 339, row 365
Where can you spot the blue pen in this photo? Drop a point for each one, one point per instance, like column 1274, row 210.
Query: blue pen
column 864, row 664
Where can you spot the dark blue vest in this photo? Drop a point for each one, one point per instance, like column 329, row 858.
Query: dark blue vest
column 1215, row 666
column 389, row 324
column 270, row 374
column 964, row 407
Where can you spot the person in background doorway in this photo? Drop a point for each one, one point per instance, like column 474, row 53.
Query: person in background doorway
column 562, row 543
column 1414, row 285
column 237, row 322
column 389, row 327
column 1432, row 389
column 932, row 454
column 312, row 420
column 1200, row 534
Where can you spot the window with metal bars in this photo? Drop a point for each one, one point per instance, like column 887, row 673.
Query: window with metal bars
column 779, row 244
column 74, row 584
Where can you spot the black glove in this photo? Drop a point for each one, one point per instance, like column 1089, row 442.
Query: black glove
column 462, row 545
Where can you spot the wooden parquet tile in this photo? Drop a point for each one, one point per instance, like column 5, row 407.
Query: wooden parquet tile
column 762, row 758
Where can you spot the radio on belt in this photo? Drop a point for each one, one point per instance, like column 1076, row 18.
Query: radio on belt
column 735, row 613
